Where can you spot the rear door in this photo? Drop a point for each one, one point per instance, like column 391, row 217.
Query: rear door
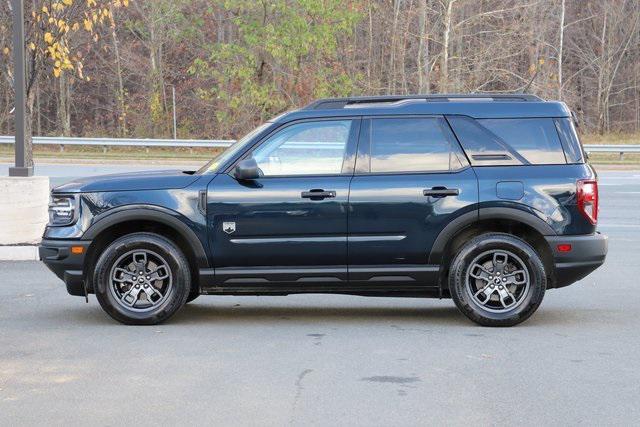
column 411, row 180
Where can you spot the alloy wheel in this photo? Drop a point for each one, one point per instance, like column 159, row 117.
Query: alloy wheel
column 497, row 281
column 140, row 280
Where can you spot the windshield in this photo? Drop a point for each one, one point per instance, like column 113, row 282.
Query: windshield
column 224, row 156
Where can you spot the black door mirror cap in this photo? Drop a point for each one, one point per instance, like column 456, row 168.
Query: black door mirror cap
column 247, row 170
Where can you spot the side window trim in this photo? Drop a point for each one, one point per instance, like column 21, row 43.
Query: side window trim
column 363, row 158
column 348, row 160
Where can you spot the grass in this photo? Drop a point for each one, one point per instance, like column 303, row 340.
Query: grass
column 116, row 153
column 202, row 154
column 611, row 138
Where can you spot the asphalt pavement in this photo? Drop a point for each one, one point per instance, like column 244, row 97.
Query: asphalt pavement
column 331, row 360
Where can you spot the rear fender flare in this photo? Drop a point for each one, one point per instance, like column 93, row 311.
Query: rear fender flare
column 492, row 213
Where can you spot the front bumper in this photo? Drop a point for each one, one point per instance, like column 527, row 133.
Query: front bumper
column 587, row 253
column 68, row 266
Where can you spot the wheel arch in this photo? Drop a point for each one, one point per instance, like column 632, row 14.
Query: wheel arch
column 129, row 220
column 519, row 223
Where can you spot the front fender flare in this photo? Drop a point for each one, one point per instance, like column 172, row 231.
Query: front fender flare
column 148, row 213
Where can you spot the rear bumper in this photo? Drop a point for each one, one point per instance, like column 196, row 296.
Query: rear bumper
column 57, row 256
column 587, row 253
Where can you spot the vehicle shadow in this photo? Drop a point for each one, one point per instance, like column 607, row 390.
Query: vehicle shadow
column 251, row 313
column 238, row 314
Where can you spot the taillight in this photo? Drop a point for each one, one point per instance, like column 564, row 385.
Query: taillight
column 588, row 199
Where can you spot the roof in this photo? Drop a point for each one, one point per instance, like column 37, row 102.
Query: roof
column 473, row 105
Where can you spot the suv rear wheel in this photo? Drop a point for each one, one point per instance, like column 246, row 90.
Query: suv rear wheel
column 497, row 279
column 142, row 279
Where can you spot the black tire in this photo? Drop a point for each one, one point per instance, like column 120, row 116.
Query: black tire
column 468, row 290
column 160, row 250
column 192, row 296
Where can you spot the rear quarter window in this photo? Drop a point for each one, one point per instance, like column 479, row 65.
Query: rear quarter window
column 570, row 142
column 534, row 139
column 501, row 142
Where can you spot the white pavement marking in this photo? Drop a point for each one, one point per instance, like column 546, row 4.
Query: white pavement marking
column 19, row 253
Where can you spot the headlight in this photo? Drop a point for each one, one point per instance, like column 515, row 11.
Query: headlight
column 63, row 210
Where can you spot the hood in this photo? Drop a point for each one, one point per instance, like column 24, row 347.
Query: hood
column 146, row 180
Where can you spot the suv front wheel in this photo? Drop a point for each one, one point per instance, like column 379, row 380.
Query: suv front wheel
column 497, row 279
column 142, row 279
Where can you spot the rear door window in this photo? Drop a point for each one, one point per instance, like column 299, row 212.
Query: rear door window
column 414, row 144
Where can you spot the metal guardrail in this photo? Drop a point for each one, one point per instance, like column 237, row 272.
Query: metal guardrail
column 124, row 142
column 223, row 143
column 605, row 148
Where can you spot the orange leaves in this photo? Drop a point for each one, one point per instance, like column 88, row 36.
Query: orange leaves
column 59, row 20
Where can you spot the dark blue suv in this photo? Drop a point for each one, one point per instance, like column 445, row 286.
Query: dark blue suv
column 486, row 199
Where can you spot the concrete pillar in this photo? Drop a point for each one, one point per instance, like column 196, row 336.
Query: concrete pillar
column 24, row 209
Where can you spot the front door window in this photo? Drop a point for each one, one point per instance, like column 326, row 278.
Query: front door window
column 309, row 148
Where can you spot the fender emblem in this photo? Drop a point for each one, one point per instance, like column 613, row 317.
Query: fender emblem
column 229, row 227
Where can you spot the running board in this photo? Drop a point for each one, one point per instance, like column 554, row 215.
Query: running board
column 313, row 279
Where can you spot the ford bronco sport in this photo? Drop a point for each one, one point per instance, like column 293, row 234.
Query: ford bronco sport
column 485, row 199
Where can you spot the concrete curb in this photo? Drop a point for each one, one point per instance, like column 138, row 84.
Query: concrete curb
column 19, row 253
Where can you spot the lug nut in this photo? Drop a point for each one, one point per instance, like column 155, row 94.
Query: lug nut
column 137, row 286
column 148, row 277
column 490, row 277
column 498, row 273
column 504, row 279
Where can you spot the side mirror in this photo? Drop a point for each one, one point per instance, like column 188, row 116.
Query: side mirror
column 247, row 170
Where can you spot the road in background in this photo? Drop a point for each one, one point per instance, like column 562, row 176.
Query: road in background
column 332, row 360
column 59, row 173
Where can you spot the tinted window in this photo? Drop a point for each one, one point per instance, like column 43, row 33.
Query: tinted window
column 309, row 148
column 570, row 141
column 534, row 139
column 412, row 145
column 483, row 147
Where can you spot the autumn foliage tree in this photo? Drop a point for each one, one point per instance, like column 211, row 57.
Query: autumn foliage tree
column 235, row 63
column 58, row 33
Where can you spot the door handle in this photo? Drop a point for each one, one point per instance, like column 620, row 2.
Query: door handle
column 441, row 192
column 318, row 194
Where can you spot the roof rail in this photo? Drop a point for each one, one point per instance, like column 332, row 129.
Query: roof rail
column 337, row 103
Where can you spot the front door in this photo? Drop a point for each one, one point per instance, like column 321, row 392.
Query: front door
column 289, row 227
column 411, row 180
